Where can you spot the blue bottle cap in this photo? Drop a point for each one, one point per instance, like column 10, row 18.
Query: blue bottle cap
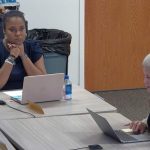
column 66, row 77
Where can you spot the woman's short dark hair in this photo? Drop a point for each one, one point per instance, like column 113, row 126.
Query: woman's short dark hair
column 10, row 14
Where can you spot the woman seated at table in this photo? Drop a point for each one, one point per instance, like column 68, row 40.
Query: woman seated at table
column 18, row 57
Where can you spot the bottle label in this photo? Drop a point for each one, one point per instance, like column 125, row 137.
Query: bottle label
column 68, row 89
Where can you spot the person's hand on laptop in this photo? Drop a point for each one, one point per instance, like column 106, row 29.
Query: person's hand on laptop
column 138, row 127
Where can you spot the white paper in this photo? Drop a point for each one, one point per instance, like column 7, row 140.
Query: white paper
column 14, row 93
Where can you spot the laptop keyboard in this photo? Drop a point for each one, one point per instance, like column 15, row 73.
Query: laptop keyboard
column 124, row 137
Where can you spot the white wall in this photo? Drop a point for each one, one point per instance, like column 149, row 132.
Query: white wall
column 81, row 42
column 63, row 15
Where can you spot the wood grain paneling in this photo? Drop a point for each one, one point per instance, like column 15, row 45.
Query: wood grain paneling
column 117, row 37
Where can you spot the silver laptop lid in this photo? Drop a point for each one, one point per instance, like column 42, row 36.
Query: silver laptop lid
column 43, row 88
column 103, row 124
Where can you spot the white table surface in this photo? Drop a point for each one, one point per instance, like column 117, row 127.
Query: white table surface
column 66, row 132
column 81, row 100
column 4, row 140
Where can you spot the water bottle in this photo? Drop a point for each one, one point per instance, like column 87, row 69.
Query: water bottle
column 3, row 1
column 67, row 88
column 10, row 1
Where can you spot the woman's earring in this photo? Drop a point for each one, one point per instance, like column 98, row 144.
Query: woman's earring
column 4, row 34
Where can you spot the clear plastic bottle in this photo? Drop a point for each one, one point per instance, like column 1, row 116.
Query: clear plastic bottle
column 67, row 88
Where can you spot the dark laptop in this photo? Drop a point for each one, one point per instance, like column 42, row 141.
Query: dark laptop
column 118, row 135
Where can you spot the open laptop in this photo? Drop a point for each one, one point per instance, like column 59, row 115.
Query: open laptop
column 118, row 135
column 39, row 88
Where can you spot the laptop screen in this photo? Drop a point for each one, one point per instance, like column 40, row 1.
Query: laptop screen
column 15, row 95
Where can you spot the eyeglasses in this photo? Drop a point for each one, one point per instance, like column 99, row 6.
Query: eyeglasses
column 14, row 30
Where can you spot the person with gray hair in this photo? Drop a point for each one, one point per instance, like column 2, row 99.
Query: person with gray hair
column 141, row 126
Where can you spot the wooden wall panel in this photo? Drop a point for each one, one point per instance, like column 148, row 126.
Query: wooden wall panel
column 117, row 37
